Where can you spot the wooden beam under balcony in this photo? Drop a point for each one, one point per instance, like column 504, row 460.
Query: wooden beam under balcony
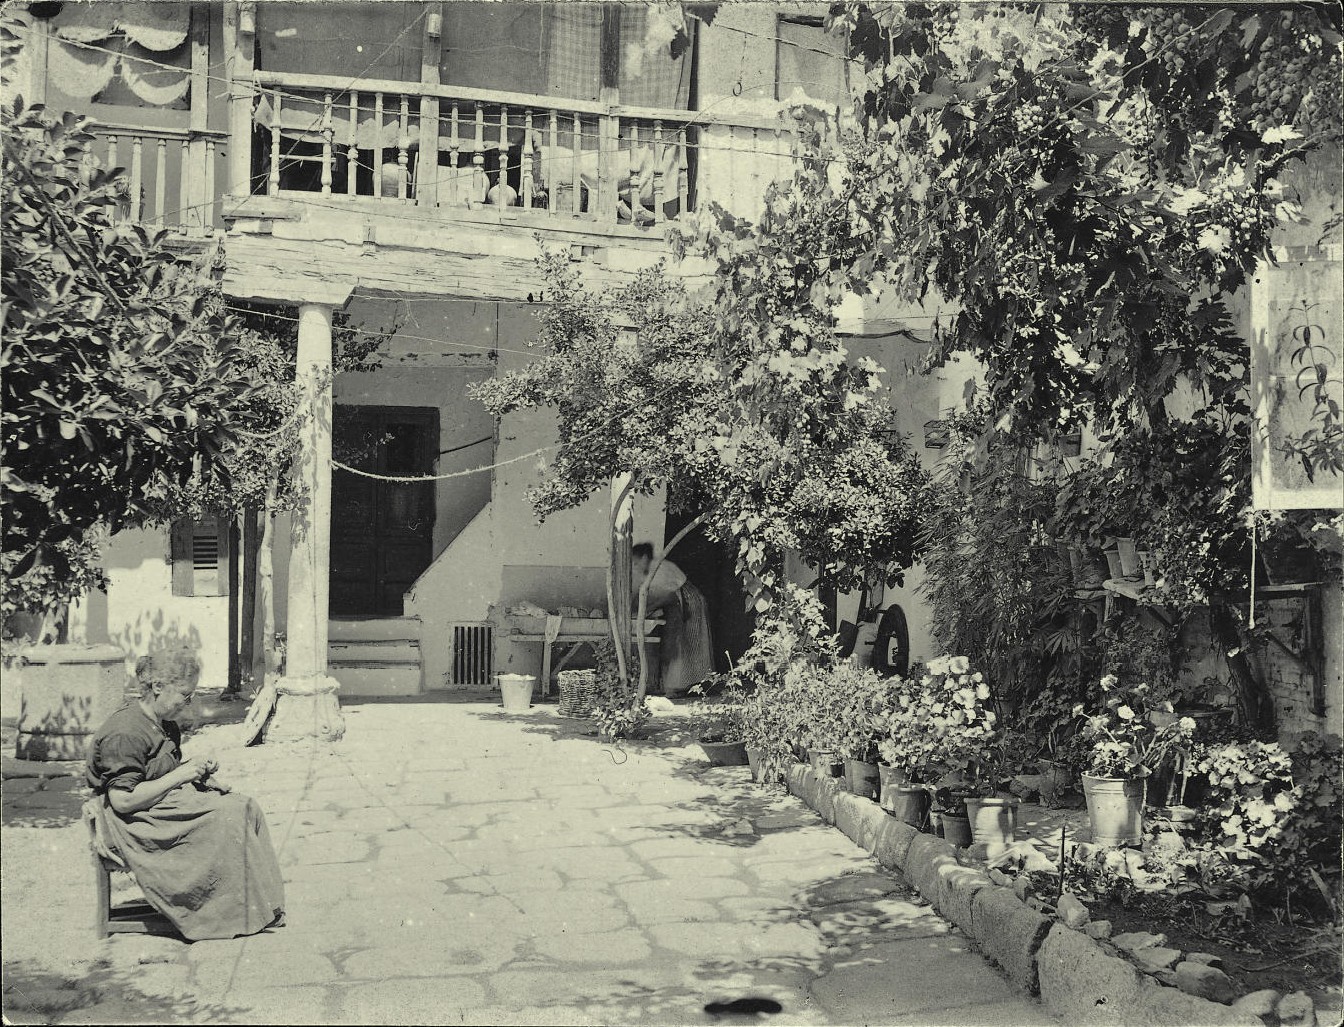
column 300, row 259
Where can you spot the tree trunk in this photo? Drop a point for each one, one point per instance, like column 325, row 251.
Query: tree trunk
column 644, row 604
column 618, row 572
column 247, row 642
column 266, row 593
column 1252, row 696
column 235, row 664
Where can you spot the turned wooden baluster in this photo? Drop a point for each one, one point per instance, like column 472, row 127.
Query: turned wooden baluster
column 211, row 155
column 352, row 148
column 502, row 197
column 635, row 192
column 184, row 162
column 111, row 152
column 525, row 182
column 454, row 157
column 328, row 136
column 576, row 156
column 273, row 181
column 550, row 171
column 479, row 185
column 160, row 181
column 658, row 214
column 403, row 158
column 683, row 175
column 137, row 177
column 378, row 145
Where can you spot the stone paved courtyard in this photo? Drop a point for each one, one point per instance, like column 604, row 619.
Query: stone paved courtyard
column 450, row 863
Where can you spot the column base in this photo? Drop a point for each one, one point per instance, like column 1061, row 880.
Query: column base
column 306, row 708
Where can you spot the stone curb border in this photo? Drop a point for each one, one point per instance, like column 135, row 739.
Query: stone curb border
column 1079, row 979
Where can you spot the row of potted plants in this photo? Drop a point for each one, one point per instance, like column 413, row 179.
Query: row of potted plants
column 931, row 749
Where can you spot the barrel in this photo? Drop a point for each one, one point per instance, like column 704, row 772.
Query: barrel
column 66, row 692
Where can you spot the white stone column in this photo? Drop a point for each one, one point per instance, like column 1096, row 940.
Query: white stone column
column 307, row 704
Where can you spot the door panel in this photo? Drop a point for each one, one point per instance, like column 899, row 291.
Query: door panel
column 382, row 532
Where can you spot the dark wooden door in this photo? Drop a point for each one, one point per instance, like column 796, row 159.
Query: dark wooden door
column 382, row 533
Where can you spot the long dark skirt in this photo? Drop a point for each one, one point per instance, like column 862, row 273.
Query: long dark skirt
column 204, row 861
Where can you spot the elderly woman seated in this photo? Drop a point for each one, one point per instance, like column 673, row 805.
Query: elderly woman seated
column 201, row 855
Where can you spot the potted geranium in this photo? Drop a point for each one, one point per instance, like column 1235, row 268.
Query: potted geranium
column 818, row 716
column 718, row 726
column 863, row 697
column 765, row 732
column 1130, row 738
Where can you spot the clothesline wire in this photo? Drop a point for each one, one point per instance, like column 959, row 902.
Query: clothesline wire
column 605, row 422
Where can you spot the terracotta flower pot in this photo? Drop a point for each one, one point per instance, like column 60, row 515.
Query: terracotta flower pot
column 1114, row 809
column 861, row 778
column 1129, row 558
column 888, row 778
column 993, row 821
column 1114, row 567
column 725, row 754
column 826, row 762
column 957, row 830
column 907, row 803
column 754, row 762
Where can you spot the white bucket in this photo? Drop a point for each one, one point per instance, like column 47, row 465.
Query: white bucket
column 517, row 691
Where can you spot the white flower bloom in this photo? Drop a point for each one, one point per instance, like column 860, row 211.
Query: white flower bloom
column 1216, row 240
column 982, row 691
column 1280, row 134
column 938, row 666
column 1125, row 713
column 959, row 665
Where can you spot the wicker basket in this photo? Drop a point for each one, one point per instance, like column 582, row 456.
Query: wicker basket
column 578, row 692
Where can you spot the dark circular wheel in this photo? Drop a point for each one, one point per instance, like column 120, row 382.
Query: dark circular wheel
column 891, row 650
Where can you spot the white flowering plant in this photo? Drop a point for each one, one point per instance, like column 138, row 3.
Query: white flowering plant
column 940, row 722
column 1132, row 735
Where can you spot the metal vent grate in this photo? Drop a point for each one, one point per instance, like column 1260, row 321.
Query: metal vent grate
column 205, row 547
column 473, row 654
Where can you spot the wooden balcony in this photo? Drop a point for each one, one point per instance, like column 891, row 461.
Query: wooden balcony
column 328, row 143
column 174, row 176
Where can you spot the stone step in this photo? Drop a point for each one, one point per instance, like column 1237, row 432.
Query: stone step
column 374, row 629
column 376, row 679
column 397, row 651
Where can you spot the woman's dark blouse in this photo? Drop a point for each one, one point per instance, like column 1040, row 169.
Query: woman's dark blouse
column 132, row 747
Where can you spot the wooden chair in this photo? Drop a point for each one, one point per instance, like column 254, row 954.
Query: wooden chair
column 136, row 917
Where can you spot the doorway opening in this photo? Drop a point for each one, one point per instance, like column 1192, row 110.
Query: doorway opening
column 382, row 532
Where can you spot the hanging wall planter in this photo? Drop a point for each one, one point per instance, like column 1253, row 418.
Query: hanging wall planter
column 1130, row 567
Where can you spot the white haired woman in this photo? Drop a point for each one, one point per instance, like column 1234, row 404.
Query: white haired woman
column 201, row 854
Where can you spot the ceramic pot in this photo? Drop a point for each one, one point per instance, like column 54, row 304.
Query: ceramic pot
column 1113, row 566
column 826, row 763
column 1129, row 558
column 993, row 821
column 908, row 804
column 957, row 830
column 861, row 778
column 888, row 778
column 754, row 762
column 1114, row 809
column 725, row 754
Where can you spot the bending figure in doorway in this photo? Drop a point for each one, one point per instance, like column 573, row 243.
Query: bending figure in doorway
column 687, row 654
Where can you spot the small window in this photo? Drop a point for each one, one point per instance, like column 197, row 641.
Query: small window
column 200, row 555
column 810, row 60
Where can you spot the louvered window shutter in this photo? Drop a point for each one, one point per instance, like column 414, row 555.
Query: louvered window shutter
column 200, row 552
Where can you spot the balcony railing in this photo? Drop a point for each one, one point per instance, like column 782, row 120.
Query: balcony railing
column 451, row 146
column 172, row 174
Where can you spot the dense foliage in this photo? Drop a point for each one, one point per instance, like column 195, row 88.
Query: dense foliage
column 120, row 373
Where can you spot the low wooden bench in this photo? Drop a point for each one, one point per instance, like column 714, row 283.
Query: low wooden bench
column 135, row 917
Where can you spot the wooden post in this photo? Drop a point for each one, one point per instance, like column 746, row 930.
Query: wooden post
column 247, row 636
column 195, row 199
column 39, row 39
column 609, row 125
column 239, row 47
column 235, row 676
column 307, row 705
column 427, row 161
